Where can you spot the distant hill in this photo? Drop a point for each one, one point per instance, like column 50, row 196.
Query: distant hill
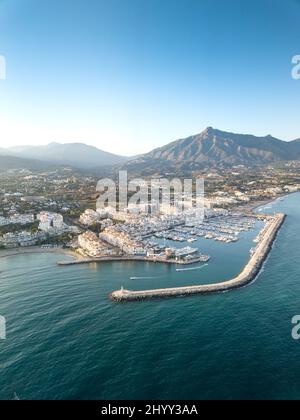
column 211, row 149
column 214, row 149
column 74, row 154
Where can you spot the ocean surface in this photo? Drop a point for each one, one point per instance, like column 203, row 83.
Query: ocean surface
column 67, row 340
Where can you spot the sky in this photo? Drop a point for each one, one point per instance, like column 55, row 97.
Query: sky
column 130, row 75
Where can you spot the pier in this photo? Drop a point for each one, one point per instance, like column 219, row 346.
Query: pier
column 132, row 258
column 249, row 273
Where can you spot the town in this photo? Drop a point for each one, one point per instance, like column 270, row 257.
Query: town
column 57, row 209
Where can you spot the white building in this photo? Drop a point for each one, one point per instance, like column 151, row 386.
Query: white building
column 90, row 217
column 22, row 219
column 49, row 221
column 17, row 219
column 91, row 244
column 122, row 240
column 274, row 191
column 22, row 239
column 292, row 188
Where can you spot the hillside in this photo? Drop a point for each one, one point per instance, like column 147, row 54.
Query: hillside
column 11, row 162
column 215, row 149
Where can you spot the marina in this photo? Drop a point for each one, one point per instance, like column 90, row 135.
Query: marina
column 248, row 274
column 224, row 228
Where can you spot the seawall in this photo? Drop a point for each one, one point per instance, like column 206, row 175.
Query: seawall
column 249, row 273
column 130, row 259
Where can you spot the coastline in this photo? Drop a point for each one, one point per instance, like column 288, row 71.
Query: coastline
column 262, row 203
column 249, row 273
column 80, row 259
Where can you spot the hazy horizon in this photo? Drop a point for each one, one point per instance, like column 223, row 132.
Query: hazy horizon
column 95, row 145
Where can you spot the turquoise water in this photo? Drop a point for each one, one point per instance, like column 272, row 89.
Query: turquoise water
column 66, row 340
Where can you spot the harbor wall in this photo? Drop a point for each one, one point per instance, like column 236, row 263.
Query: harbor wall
column 130, row 259
column 249, row 273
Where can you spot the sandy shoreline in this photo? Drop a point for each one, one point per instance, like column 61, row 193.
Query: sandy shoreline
column 268, row 201
column 262, row 203
column 37, row 250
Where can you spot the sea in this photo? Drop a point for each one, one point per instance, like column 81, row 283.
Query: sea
column 65, row 339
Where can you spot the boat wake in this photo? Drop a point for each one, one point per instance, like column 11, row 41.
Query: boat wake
column 191, row 268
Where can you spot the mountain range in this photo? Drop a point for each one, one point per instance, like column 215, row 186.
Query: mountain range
column 211, row 149
column 215, row 149
column 77, row 155
column 11, row 162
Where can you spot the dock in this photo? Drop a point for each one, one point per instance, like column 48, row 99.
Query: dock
column 132, row 258
column 248, row 275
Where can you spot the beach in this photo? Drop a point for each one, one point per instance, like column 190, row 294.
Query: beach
column 37, row 250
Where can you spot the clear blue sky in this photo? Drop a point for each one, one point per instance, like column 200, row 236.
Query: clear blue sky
column 131, row 75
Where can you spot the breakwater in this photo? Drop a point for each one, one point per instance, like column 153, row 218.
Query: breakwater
column 249, row 273
column 134, row 259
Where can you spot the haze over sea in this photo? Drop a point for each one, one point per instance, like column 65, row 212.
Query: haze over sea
column 67, row 340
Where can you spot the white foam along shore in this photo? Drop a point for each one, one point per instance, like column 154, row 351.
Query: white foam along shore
column 249, row 273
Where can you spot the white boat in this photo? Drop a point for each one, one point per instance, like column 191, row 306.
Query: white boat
column 191, row 268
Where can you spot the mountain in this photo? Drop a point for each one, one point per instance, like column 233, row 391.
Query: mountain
column 211, row 149
column 74, row 154
column 214, row 149
column 11, row 162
